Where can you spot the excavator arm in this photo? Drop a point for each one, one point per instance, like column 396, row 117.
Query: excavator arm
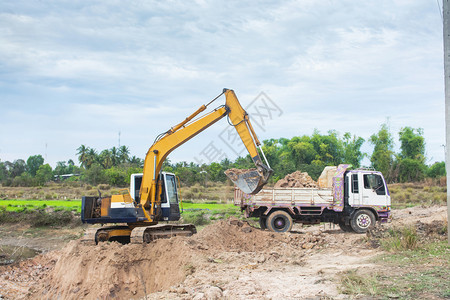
column 250, row 182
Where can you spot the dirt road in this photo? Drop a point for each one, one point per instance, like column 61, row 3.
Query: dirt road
column 228, row 259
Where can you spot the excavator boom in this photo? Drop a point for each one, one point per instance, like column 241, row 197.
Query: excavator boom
column 250, row 182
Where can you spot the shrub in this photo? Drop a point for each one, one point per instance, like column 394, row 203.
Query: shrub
column 352, row 283
column 214, row 197
column 188, row 195
column 197, row 218
column 38, row 218
column 436, row 170
column 400, row 239
column 116, row 176
column 400, row 197
column 104, row 187
column 42, row 219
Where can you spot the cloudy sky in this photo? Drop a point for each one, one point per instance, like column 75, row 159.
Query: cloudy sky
column 80, row 72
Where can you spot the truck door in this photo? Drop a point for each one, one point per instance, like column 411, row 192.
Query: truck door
column 354, row 195
column 374, row 190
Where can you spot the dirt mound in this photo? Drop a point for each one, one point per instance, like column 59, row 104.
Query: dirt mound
column 297, row 179
column 112, row 270
column 435, row 228
column 16, row 279
column 234, row 235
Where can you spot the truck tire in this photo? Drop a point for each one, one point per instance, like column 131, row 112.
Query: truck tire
column 345, row 227
column 262, row 223
column 362, row 220
column 279, row 221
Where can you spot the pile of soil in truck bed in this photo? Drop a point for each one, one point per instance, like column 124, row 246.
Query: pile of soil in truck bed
column 297, row 179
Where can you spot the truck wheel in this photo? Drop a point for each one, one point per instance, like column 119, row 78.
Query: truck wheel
column 345, row 227
column 262, row 223
column 362, row 220
column 279, row 221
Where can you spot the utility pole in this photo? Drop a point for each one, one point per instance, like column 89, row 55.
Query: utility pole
column 446, row 21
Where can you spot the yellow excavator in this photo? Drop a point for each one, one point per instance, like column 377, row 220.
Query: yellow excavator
column 153, row 195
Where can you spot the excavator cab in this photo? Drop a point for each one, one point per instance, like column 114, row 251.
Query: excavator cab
column 169, row 208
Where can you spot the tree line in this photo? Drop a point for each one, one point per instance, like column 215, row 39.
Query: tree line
column 308, row 153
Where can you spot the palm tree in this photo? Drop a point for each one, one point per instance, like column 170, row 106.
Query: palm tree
column 136, row 161
column 91, row 157
column 124, row 153
column 106, row 159
column 82, row 154
column 114, row 156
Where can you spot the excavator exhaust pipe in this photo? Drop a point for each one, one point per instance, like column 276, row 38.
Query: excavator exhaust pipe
column 250, row 181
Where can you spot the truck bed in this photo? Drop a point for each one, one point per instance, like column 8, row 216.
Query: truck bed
column 285, row 196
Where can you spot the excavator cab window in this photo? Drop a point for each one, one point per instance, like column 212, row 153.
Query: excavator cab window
column 163, row 188
column 171, row 185
column 137, row 187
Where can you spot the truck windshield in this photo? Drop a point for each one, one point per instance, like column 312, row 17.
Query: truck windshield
column 374, row 182
column 171, row 188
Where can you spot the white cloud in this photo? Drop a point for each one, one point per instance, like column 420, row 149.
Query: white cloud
column 97, row 67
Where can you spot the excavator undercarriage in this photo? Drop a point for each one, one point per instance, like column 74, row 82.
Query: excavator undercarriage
column 126, row 234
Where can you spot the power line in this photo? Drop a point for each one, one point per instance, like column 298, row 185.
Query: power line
column 446, row 36
column 440, row 10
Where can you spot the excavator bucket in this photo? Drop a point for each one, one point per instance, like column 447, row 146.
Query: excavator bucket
column 249, row 181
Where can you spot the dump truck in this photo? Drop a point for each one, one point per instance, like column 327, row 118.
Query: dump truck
column 354, row 199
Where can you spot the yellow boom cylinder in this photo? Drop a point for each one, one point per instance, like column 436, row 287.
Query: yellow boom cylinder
column 176, row 127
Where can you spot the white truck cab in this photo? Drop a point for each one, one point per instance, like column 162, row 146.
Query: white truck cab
column 367, row 188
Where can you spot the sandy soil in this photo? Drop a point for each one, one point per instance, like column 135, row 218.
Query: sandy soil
column 228, row 259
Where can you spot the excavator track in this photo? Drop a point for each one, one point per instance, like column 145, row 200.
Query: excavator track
column 139, row 235
column 119, row 234
column 148, row 234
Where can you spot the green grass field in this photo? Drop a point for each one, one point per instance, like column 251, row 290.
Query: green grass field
column 20, row 205
column 75, row 205
column 209, row 206
column 195, row 213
